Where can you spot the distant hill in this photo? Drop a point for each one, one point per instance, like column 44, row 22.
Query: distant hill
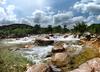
column 13, row 26
column 15, row 30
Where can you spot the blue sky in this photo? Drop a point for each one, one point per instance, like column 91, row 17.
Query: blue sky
column 46, row 12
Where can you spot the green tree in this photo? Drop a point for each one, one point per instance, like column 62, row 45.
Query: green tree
column 57, row 29
column 80, row 27
column 37, row 29
column 94, row 28
column 65, row 29
column 49, row 29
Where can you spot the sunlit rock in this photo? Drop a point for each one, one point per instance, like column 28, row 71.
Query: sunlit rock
column 92, row 65
column 39, row 68
column 94, row 43
column 59, row 59
column 58, row 47
column 28, row 46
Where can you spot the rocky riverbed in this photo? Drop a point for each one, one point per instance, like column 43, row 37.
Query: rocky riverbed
column 56, row 53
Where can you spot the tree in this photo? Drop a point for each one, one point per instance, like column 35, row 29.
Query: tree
column 65, row 29
column 80, row 27
column 49, row 29
column 37, row 29
column 57, row 29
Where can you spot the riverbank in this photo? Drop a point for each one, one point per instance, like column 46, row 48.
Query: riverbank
column 58, row 53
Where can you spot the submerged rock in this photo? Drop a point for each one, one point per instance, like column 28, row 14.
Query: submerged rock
column 41, row 42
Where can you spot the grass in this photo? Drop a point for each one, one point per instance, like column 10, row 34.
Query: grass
column 86, row 55
column 12, row 62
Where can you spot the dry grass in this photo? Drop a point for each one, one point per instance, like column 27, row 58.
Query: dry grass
column 12, row 62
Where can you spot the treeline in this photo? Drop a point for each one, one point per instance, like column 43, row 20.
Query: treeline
column 15, row 30
column 82, row 27
column 21, row 30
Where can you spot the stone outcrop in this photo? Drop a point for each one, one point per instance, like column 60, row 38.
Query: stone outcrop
column 39, row 68
column 92, row 65
column 95, row 43
column 58, row 47
column 59, row 59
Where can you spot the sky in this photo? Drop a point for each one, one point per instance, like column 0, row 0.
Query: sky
column 49, row 12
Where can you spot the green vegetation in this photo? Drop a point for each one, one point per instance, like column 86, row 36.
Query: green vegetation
column 86, row 55
column 94, row 28
column 12, row 62
column 80, row 27
column 15, row 30
column 22, row 30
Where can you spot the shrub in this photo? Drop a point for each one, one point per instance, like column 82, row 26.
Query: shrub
column 12, row 62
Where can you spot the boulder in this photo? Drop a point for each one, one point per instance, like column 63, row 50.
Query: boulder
column 95, row 43
column 40, row 68
column 90, row 66
column 58, row 47
column 43, row 42
column 28, row 46
column 59, row 59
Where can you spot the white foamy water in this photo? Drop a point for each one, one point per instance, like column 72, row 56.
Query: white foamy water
column 36, row 54
column 19, row 40
column 61, row 38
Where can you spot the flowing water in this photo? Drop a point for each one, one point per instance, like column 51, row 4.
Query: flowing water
column 36, row 54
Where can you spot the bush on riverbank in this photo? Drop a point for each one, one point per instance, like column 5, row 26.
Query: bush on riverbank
column 12, row 62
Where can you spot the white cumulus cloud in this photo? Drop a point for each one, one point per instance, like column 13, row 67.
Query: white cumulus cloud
column 61, row 18
column 2, row 1
column 89, row 6
column 11, row 16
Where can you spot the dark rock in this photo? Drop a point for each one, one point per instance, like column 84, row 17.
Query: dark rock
column 41, row 42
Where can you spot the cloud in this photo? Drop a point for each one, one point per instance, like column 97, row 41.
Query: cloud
column 7, row 14
column 2, row 2
column 11, row 16
column 41, row 17
column 98, row 17
column 45, row 18
column 77, row 19
column 62, row 18
column 90, row 9
column 2, row 13
column 88, row 6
